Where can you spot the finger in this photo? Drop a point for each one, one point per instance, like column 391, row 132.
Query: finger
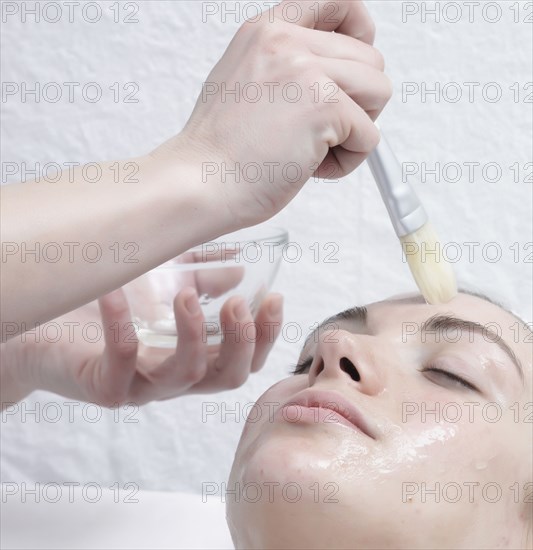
column 350, row 126
column 189, row 365
column 373, row 115
column 369, row 87
column 231, row 367
column 340, row 46
column 352, row 136
column 338, row 163
column 268, row 322
column 160, row 376
column 121, row 345
column 213, row 282
column 216, row 282
column 348, row 17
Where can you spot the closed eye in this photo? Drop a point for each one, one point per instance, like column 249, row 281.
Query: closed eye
column 453, row 380
column 302, row 367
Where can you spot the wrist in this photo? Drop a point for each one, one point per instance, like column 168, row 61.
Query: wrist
column 191, row 174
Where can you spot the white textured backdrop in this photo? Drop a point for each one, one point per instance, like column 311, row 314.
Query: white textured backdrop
column 169, row 53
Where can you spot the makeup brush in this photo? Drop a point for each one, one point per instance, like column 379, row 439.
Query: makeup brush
column 432, row 272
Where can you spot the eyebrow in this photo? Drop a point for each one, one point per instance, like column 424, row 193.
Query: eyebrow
column 437, row 323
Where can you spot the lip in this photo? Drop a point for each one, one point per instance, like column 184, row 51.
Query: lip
column 340, row 409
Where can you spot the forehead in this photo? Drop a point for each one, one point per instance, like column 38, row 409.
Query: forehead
column 394, row 312
column 464, row 306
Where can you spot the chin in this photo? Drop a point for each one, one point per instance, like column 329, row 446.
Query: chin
column 279, row 458
column 286, row 453
column 292, row 491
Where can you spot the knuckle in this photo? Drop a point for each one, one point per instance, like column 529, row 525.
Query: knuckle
column 126, row 351
column 195, row 373
column 273, row 38
column 300, row 63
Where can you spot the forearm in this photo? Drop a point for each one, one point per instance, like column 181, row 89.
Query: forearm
column 66, row 243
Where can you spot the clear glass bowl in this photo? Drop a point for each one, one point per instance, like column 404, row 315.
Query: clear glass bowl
column 243, row 263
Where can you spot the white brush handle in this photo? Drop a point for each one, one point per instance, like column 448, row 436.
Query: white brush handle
column 403, row 205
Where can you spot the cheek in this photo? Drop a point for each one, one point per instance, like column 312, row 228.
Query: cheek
column 450, row 441
column 423, row 434
column 262, row 413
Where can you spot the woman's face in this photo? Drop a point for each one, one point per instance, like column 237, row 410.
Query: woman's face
column 410, row 427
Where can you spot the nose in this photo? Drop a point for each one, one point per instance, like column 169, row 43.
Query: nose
column 341, row 356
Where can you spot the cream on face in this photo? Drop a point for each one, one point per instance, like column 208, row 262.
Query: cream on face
column 432, row 448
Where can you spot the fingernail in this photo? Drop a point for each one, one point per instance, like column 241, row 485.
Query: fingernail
column 192, row 304
column 241, row 310
column 276, row 306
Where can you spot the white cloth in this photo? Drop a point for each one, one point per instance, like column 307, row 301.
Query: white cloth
column 139, row 520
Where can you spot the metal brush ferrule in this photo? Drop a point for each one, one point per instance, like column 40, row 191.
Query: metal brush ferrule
column 403, row 205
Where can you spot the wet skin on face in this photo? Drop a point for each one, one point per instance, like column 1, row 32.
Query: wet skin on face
column 402, row 417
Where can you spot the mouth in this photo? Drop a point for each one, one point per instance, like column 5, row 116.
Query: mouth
column 326, row 407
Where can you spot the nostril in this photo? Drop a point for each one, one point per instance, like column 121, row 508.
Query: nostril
column 349, row 368
column 320, row 367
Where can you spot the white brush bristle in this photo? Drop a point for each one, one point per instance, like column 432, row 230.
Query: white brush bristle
column 433, row 274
